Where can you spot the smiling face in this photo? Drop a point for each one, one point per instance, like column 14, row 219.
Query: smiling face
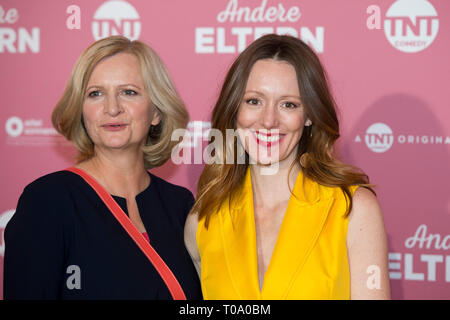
column 117, row 110
column 271, row 117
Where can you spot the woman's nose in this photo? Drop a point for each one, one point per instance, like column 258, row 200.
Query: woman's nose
column 270, row 116
column 112, row 105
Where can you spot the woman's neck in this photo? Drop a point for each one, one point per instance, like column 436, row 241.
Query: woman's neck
column 122, row 175
column 270, row 185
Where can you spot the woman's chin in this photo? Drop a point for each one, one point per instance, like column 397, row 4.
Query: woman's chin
column 274, row 161
column 264, row 161
column 114, row 146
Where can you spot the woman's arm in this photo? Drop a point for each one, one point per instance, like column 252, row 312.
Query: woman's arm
column 34, row 248
column 190, row 239
column 367, row 248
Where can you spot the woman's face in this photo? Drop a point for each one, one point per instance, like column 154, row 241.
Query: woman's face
column 271, row 116
column 117, row 110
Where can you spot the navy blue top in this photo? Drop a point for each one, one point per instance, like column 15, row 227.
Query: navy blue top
column 64, row 243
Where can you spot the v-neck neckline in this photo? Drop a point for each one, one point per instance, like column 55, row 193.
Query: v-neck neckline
column 253, row 226
column 302, row 223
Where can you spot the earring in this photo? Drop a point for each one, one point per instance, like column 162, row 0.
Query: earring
column 308, row 123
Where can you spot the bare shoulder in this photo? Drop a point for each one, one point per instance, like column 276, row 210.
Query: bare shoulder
column 190, row 238
column 364, row 198
column 367, row 247
column 190, row 227
column 366, row 215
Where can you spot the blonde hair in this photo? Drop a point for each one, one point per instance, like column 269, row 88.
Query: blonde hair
column 67, row 115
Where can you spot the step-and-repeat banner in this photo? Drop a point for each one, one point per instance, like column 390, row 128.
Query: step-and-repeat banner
column 389, row 68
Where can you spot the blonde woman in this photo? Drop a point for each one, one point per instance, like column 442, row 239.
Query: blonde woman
column 119, row 109
column 290, row 222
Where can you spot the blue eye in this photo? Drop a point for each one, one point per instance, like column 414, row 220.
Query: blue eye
column 130, row 92
column 94, row 93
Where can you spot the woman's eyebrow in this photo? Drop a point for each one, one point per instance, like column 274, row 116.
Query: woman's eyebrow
column 121, row 85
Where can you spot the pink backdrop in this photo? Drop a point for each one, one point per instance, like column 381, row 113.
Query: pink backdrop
column 389, row 70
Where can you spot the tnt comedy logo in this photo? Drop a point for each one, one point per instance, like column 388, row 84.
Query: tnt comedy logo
column 116, row 17
column 411, row 25
column 379, row 137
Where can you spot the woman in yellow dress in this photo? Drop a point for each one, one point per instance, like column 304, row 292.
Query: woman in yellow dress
column 290, row 221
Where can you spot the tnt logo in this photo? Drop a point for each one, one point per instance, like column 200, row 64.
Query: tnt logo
column 116, row 17
column 4, row 219
column 411, row 25
column 379, row 137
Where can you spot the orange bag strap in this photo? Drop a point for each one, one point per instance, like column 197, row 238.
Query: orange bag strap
column 164, row 271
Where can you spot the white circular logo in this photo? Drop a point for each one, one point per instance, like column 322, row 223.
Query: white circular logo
column 379, row 137
column 411, row 25
column 116, row 17
column 14, row 126
column 4, row 218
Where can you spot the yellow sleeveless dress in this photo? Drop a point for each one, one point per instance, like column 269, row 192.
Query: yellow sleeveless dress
column 309, row 260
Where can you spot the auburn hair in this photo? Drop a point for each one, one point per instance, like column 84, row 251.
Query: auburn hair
column 315, row 151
